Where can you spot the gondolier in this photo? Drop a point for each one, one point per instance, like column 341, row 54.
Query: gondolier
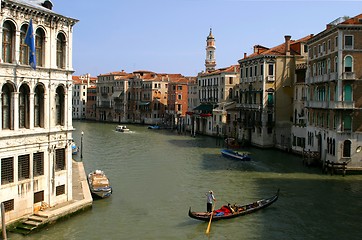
column 210, row 200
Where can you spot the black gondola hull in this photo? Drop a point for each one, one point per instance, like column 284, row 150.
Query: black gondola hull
column 242, row 210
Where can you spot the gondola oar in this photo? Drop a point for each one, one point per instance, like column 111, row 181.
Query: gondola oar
column 208, row 226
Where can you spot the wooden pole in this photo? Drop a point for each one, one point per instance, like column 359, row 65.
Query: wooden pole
column 3, row 225
column 209, row 225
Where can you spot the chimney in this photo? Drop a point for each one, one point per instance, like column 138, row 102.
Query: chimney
column 287, row 44
column 256, row 48
column 244, row 54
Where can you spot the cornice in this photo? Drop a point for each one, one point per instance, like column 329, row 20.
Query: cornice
column 46, row 14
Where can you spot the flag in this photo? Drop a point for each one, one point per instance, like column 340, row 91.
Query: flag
column 30, row 41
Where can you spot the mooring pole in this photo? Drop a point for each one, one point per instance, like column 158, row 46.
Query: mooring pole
column 3, row 225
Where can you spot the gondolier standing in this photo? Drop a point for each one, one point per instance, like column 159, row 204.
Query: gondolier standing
column 210, row 200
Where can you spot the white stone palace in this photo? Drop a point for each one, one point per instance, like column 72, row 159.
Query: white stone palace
column 36, row 104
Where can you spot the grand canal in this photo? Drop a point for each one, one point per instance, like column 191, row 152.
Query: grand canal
column 157, row 175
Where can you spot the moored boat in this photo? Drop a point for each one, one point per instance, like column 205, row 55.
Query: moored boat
column 232, row 143
column 122, row 128
column 75, row 148
column 155, row 127
column 99, row 184
column 232, row 211
column 235, row 155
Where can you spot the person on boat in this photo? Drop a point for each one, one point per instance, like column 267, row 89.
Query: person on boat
column 210, row 200
column 231, row 208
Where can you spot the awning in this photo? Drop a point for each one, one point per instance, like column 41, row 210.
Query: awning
column 144, row 103
column 117, row 94
column 205, row 107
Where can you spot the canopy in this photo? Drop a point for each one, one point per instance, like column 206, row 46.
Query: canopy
column 117, row 94
column 205, row 107
column 144, row 103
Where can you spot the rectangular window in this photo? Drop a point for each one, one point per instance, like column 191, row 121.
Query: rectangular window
column 7, row 170
column 38, row 164
column 348, row 42
column 231, row 80
column 24, row 167
column 60, row 190
column 271, row 70
column 9, row 205
column 60, row 159
column 38, row 196
column 179, row 88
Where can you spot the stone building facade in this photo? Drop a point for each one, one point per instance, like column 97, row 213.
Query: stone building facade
column 334, row 92
column 36, row 119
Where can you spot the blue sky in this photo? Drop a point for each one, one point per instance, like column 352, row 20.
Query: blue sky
column 169, row 36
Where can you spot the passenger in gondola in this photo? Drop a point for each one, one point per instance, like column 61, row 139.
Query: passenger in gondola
column 231, row 208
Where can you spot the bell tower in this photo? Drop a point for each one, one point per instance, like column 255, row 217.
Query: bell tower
column 210, row 62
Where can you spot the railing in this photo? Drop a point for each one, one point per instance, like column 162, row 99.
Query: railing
column 270, row 78
column 330, row 104
column 341, row 105
column 348, row 76
column 105, row 104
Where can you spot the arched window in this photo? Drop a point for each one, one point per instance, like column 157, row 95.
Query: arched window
column 347, row 148
column 39, row 106
column 24, row 49
column 348, row 64
column 39, row 46
column 24, row 106
column 7, row 103
column 8, row 42
column 336, row 64
column 59, row 103
column 61, row 50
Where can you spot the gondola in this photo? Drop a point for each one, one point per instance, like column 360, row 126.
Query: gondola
column 232, row 211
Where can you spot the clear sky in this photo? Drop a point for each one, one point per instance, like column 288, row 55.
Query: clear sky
column 169, row 36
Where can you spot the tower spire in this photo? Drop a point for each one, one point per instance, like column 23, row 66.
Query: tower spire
column 210, row 62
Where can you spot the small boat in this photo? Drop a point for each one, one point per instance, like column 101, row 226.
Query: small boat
column 99, row 184
column 232, row 211
column 235, row 155
column 122, row 128
column 155, row 127
column 75, row 148
column 232, row 143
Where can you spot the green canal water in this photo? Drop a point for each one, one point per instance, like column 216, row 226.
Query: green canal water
column 157, row 175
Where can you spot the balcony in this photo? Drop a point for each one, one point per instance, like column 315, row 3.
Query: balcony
column 105, row 104
column 333, row 76
column 330, row 104
column 341, row 105
column 348, row 76
column 316, row 104
column 270, row 78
